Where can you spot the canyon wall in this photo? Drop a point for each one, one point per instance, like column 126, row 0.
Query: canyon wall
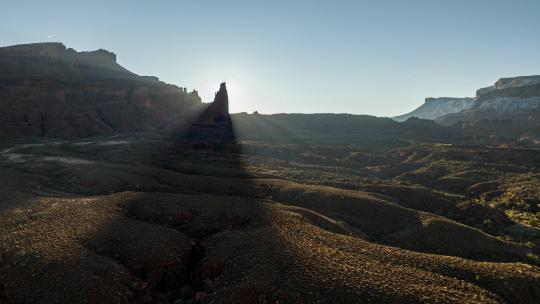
column 49, row 90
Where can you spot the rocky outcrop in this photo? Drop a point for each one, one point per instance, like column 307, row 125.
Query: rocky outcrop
column 49, row 90
column 434, row 108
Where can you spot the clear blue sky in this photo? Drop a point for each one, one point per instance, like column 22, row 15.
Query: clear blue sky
column 365, row 57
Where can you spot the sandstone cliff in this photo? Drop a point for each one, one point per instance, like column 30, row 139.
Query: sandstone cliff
column 509, row 98
column 509, row 95
column 49, row 90
column 509, row 109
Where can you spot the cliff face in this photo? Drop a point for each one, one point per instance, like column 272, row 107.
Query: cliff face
column 507, row 83
column 509, row 98
column 49, row 90
column 434, row 108
column 509, row 108
column 51, row 50
column 510, row 95
column 58, row 51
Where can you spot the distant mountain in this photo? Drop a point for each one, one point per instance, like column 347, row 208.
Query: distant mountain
column 516, row 98
column 49, row 90
column 434, row 108
column 509, row 109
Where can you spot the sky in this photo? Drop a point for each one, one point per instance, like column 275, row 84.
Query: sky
column 363, row 57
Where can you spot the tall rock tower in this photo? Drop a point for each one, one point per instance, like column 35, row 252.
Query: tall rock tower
column 214, row 122
column 221, row 104
column 216, row 112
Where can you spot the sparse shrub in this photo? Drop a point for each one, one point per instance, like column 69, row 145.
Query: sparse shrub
column 340, row 224
column 533, row 258
column 487, row 223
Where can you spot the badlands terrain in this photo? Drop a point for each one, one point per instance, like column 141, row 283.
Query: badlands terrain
column 149, row 219
column 118, row 188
